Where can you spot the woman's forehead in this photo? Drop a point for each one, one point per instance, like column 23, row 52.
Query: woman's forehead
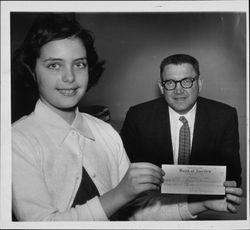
column 63, row 48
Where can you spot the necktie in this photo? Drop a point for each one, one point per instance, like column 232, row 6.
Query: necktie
column 87, row 189
column 184, row 142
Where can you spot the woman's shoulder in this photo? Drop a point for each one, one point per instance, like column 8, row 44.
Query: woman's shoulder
column 24, row 125
column 99, row 127
column 92, row 120
column 20, row 122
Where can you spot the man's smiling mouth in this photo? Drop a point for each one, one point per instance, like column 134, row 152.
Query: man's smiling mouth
column 180, row 98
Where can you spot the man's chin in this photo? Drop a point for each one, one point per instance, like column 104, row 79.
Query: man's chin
column 181, row 109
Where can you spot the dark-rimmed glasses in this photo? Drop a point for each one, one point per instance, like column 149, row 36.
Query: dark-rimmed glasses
column 186, row 83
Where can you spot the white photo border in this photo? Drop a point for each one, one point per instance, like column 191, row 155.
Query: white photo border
column 99, row 6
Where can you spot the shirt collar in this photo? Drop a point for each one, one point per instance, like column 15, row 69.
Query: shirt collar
column 189, row 115
column 56, row 127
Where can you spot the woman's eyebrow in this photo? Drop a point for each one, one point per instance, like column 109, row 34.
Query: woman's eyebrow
column 60, row 59
column 81, row 59
column 52, row 59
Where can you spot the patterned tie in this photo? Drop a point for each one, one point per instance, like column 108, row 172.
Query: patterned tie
column 184, row 142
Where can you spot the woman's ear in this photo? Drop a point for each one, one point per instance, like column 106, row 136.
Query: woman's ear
column 30, row 71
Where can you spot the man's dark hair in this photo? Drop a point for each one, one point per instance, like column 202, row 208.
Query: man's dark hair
column 178, row 59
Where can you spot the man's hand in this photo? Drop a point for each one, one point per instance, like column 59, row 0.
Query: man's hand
column 229, row 203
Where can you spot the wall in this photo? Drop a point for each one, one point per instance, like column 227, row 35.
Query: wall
column 133, row 46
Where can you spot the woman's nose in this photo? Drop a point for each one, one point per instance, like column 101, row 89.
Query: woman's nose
column 69, row 75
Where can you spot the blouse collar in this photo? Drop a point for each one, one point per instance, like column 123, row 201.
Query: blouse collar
column 56, row 127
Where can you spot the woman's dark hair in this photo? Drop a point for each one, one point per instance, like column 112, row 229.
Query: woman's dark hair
column 55, row 26
column 49, row 27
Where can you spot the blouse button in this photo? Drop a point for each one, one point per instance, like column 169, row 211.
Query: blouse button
column 73, row 133
column 78, row 176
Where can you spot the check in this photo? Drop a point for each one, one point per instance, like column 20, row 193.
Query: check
column 194, row 179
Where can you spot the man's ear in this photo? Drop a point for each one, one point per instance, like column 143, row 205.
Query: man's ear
column 200, row 83
column 160, row 87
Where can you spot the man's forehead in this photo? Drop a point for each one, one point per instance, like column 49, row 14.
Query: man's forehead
column 185, row 70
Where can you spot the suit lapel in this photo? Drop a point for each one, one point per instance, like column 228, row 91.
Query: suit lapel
column 163, row 133
column 200, row 131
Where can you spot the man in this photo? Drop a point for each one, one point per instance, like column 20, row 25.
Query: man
column 151, row 130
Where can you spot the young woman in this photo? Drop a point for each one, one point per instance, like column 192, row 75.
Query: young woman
column 67, row 165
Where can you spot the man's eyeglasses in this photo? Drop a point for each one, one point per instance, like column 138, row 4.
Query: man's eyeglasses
column 186, row 83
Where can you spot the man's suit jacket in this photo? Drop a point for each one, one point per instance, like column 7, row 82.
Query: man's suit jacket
column 147, row 137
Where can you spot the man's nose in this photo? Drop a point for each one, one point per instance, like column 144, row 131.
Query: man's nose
column 179, row 88
column 69, row 75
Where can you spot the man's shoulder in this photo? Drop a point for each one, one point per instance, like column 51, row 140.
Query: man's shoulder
column 150, row 105
column 214, row 105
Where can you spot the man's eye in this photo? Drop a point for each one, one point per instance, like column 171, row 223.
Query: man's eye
column 187, row 81
column 54, row 66
column 170, row 82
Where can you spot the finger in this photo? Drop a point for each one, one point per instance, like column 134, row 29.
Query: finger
column 231, row 208
column 234, row 191
column 149, row 180
column 137, row 172
column 146, row 187
column 235, row 199
column 231, row 183
column 147, row 165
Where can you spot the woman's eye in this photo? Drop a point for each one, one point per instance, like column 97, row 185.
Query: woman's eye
column 81, row 65
column 54, row 66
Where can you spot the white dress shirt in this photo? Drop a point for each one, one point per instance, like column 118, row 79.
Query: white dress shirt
column 47, row 159
column 175, row 125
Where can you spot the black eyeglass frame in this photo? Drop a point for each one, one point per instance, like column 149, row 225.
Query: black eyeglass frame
column 163, row 83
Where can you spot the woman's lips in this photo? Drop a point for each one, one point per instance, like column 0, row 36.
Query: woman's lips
column 67, row 92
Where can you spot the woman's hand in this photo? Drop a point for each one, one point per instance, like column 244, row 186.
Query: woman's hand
column 229, row 203
column 140, row 177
